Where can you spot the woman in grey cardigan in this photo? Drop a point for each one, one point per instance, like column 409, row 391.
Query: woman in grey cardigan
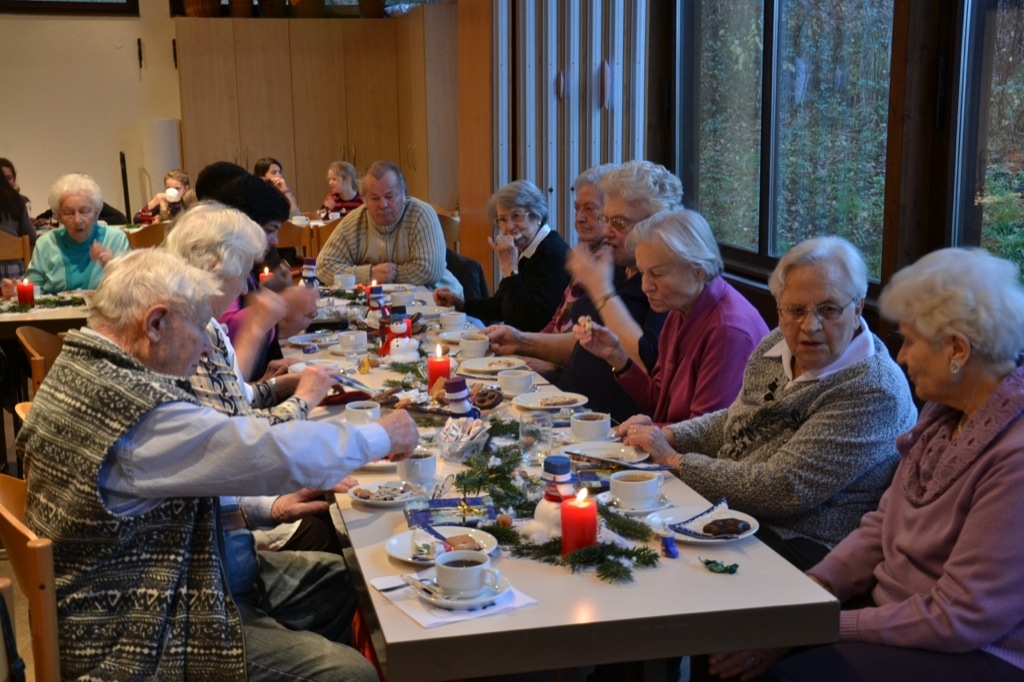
column 808, row 446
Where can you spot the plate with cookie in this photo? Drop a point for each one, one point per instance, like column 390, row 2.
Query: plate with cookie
column 548, row 400
column 387, row 495
column 695, row 525
column 417, row 546
column 491, row 366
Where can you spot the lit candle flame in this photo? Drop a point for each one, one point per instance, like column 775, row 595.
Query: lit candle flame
column 266, row 270
column 25, row 281
column 373, row 283
column 581, row 495
column 438, row 350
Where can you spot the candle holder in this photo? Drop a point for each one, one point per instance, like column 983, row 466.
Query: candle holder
column 579, row 523
column 27, row 293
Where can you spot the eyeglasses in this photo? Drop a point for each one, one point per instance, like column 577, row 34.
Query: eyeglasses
column 618, row 223
column 85, row 211
column 826, row 312
column 442, row 488
column 515, row 219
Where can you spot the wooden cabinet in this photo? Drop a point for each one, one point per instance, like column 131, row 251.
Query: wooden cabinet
column 428, row 90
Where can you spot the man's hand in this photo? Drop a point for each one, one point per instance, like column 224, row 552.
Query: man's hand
column 403, row 432
column 8, row 287
column 294, row 506
column 446, row 297
column 384, row 272
column 301, row 303
column 505, row 340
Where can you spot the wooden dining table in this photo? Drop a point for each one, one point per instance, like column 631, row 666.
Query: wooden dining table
column 675, row 609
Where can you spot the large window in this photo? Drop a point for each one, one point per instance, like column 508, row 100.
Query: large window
column 791, row 133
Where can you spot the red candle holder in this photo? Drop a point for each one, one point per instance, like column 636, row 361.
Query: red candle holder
column 26, row 293
column 579, row 523
column 438, row 367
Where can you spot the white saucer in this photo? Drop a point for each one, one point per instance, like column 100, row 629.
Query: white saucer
column 488, row 596
column 660, row 502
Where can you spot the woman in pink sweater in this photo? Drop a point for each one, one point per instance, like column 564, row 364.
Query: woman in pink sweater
column 933, row 581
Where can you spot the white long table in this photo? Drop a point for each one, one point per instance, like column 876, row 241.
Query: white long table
column 677, row 608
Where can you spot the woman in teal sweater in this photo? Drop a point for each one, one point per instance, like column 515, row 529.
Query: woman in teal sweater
column 72, row 256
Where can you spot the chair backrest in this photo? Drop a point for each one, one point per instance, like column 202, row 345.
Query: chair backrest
column 41, row 348
column 451, row 225
column 292, row 236
column 469, row 273
column 7, row 593
column 147, row 236
column 32, row 560
column 13, row 248
column 323, row 233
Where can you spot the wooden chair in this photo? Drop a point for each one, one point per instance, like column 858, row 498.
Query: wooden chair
column 451, row 226
column 292, row 236
column 147, row 236
column 32, row 560
column 12, row 248
column 7, row 593
column 321, row 233
column 41, row 348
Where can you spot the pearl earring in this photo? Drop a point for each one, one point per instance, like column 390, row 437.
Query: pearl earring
column 954, row 366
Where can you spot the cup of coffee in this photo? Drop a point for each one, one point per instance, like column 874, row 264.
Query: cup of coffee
column 464, row 573
column 404, row 298
column 172, row 194
column 590, row 426
column 515, row 381
column 420, row 468
column 344, row 280
column 352, row 341
column 633, row 489
column 362, row 411
column 474, row 345
column 453, row 321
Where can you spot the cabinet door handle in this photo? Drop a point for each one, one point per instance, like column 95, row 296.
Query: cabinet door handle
column 560, row 85
column 606, row 84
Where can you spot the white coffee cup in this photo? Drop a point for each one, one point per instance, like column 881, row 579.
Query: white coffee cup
column 635, row 489
column 172, row 194
column 420, row 468
column 405, row 298
column 333, row 215
column 465, row 573
column 344, row 280
column 514, row 381
column 362, row 411
column 353, row 340
column 453, row 321
column 590, row 426
column 300, row 221
column 474, row 345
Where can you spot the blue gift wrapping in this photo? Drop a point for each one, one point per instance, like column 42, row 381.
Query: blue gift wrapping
column 451, row 511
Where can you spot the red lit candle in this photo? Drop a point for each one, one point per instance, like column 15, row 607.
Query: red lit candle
column 370, row 293
column 438, row 367
column 579, row 523
column 26, row 293
column 265, row 275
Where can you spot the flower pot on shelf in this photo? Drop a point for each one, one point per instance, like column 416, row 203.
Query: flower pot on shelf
column 202, row 8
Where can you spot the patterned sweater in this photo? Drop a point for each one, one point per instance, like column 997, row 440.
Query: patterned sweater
column 808, row 459
column 138, row 597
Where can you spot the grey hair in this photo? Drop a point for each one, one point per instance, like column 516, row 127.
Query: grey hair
column 593, row 176
column 136, row 281
column 519, row 194
column 687, row 236
column 961, row 291
column 378, row 169
column 216, row 238
column 74, row 183
column 832, row 251
column 644, row 184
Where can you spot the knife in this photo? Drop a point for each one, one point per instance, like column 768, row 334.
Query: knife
column 352, row 383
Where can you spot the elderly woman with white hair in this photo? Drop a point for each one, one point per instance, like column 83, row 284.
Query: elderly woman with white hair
column 72, row 256
column 808, row 445
column 531, row 258
column 708, row 335
column 931, row 581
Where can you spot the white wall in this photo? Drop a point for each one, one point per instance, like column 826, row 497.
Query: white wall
column 74, row 96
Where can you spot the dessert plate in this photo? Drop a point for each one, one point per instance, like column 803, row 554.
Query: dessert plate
column 398, row 499
column 660, row 502
column 491, row 366
column 606, row 451
column 660, row 521
column 319, row 339
column 402, row 546
column 548, row 400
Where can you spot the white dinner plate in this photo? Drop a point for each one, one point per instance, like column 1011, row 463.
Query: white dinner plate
column 488, row 596
column 606, row 451
column 336, row 349
column 418, row 493
column 320, row 339
column 549, row 400
column 491, row 366
column 660, row 521
column 660, row 502
column 326, row 364
column 428, row 312
column 401, row 546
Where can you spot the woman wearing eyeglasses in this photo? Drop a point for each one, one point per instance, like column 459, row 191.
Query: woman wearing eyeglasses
column 531, row 257
column 72, row 256
column 808, row 446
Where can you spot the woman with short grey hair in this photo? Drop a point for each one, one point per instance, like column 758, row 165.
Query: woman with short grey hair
column 709, row 332
column 931, row 581
column 531, row 258
column 72, row 256
column 808, row 445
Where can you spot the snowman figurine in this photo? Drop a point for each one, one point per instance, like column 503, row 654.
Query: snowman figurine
column 378, row 309
column 397, row 328
column 405, row 349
